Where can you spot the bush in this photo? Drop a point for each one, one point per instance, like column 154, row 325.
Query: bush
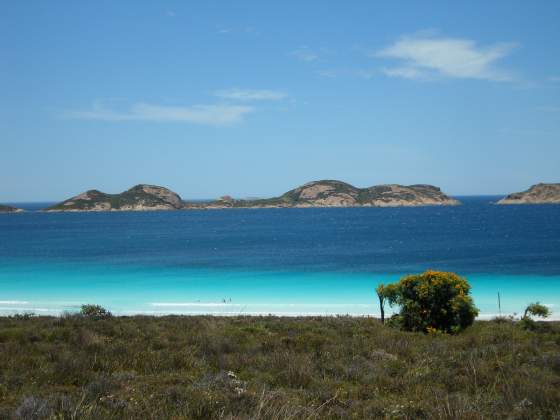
column 536, row 309
column 24, row 316
column 95, row 312
column 533, row 309
column 432, row 302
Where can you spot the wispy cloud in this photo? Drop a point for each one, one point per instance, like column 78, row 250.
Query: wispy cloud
column 305, row 54
column 225, row 30
column 331, row 74
column 427, row 56
column 365, row 73
column 251, row 95
column 404, row 72
column 362, row 73
column 554, row 79
column 171, row 13
column 195, row 114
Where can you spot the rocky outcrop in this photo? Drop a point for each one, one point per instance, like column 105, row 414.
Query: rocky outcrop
column 139, row 198
column 331, row 193
column 394, row 195
column 537, row 194
column 326, row 193
column 9, row 209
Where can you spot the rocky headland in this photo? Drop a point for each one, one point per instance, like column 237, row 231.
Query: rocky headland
column 537, row 194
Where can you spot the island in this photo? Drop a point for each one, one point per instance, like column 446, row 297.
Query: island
column 326, row 193
column 332, row 193
column 537, row 194
column 9, row 209
column 141, row 197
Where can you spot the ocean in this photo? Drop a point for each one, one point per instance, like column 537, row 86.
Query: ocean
column 321, row 261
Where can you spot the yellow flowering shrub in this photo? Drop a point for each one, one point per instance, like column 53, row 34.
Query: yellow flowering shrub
column 433, row 301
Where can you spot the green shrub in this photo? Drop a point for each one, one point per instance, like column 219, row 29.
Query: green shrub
column 24, row 316
column 536, row 309
column 431, row 302
column 95, row 312
column 533, row 309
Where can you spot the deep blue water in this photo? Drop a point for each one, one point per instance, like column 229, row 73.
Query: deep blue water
column 274, row 260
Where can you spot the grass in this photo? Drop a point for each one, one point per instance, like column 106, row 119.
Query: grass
column 273, row 368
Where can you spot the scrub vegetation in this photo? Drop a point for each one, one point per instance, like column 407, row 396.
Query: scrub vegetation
column 96, row 366
column 431, row 302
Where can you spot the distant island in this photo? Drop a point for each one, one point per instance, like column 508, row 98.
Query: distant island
column 9, row 209
column 326, row 193
column 331, row 193
column 139, row 198
column 537, row 194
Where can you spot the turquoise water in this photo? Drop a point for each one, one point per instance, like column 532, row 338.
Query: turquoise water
column 192, row 291
column 302, row 262
column 52, row 289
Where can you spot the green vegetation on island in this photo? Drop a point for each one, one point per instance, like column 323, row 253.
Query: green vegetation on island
column 141, row 197
column 537, row 194
column 332, row 193
column 9, row 209
column 326, row 193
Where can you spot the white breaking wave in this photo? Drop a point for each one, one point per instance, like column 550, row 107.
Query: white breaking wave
column 13, row 310
column 14, row 302
column 266, row 305
column 195, row 304
column 242, row 313
column 10, row 307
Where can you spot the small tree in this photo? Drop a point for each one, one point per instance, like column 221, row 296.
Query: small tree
column 95, row 312
column 433, row 301
column 380, row 294
column 536, row 309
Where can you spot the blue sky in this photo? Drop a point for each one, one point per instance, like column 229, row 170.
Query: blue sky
column 252, row 98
